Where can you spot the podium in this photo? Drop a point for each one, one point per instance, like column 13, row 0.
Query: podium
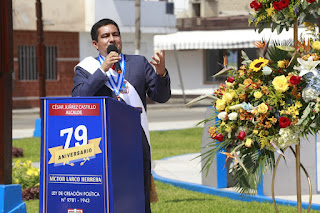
column 91, row 156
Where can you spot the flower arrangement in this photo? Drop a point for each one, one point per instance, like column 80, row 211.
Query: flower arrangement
column 266, row 105
column 280, row 14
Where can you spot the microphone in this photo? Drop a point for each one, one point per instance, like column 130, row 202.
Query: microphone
column 115, row 49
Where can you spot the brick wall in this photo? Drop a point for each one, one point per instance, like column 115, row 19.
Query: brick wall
column 26, row 93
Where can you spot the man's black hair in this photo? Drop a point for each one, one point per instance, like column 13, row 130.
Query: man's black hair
column 102, row 22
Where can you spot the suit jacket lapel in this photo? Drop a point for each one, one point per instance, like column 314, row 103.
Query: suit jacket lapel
column 127, row 71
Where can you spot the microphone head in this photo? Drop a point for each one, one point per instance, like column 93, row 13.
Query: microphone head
column 112, row 48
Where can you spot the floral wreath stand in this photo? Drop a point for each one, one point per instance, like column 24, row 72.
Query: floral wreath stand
column 269, row 102
column 297, row 156
column 298, row 180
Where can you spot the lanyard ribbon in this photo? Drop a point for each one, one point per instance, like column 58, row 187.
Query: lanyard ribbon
column 115, row 80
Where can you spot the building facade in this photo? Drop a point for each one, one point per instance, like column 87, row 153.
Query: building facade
column 67, row 39
column 208, row 30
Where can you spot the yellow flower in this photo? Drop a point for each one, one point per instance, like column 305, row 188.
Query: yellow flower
column 248, row 142
column 228, row 128
column 280, row 83
column 273, row 120
column 316, row 45
column 29, row 172
column 283, row 63
column 270, row 11
column 257, row 64
column 255, row 132
column 17, row 163
column 257, row 94
column 36, row 173
column 229, row 85
column 262, row 108
column 298, row 104
column 227, row 97
column 307, row 24
column 220, row 104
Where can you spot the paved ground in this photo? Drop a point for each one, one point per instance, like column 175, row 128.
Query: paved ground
column 186, row 169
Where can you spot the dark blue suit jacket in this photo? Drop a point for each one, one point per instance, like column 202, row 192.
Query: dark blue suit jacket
column 138, row 71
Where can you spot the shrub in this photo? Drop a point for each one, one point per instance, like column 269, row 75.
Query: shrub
column 28, row 177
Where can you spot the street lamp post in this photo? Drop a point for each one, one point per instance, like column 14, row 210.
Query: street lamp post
column 137, row 27
column 40, row 52
column 6, row 70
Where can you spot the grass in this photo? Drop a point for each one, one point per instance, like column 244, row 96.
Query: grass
column 32, row 206
column 175, row 142
column 31, row 149
column 176, row 200
column 171, row 199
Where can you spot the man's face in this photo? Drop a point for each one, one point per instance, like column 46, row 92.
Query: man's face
column 107, row 35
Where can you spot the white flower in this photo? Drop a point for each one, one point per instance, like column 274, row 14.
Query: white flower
column 266, row 70
column 309, row 94
column 233, row 116
column 222, row 116
column 287, row 137
column 307, row 66
column 235, row 107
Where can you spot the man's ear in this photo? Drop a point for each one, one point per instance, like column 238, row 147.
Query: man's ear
column 95, row 44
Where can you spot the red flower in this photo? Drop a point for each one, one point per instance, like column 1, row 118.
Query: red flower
column 310, row 1
column 219, row 137
column 280, row 5
column 256, row 5
column 284, row 122
column 230, row 79
column 295, row 80
column 277, row 6
column 284, row 3
column 241, row 135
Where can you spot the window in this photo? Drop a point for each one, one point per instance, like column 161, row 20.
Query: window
column 51, row 57
column 27, row 60
column 214, row 62
column 27, row 63
column 196, row 9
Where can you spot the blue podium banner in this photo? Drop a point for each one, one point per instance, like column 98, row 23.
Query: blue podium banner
column 91, row 156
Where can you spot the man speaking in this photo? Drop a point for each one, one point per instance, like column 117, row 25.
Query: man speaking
column 125, row 77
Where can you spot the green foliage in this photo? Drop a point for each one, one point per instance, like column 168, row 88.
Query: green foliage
column 276, row 54
column 284, row 17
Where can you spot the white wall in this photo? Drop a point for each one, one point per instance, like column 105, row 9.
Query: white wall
column 57, row 15
column 191, row 67
column 153, row 15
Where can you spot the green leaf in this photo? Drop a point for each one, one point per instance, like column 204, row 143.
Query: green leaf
column 286, row 48
column 273, row 27
column 305, row 114
column 202, row 97
column 223, row 71
column 244, row 56
column 278, row 29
